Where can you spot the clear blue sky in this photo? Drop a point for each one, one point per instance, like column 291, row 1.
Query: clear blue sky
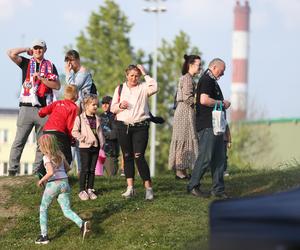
column 274, row 84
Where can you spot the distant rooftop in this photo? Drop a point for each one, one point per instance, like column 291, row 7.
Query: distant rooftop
column 8, row 111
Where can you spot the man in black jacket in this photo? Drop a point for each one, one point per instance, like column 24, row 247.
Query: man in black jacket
column 211, row 147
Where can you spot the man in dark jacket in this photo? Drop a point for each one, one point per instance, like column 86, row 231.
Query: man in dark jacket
column 211, row 147
column 111, row 146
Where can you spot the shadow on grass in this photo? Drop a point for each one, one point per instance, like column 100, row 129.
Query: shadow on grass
column 177, row 220
column 260, row 182
column 61, row 231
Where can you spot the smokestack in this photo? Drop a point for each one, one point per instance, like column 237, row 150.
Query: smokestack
column 240, row 51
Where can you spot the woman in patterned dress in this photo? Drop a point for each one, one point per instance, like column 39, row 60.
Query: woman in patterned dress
column 184, row 144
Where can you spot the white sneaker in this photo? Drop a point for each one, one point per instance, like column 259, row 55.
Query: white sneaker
column 122, row 173
column 226, row 173
column 130, row 192
column 149, row 194
column 83, row 196
column 91, row 194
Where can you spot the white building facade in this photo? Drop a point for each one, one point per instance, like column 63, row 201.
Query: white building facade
column 8, row 128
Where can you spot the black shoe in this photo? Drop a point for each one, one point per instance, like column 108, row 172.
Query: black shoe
column 220, row 195
column 85, row 228
column 198, row 193
column 12, row 173
column 42, row 240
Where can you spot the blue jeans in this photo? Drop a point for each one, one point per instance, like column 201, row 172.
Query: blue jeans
column 211, row 154
column 76, row 156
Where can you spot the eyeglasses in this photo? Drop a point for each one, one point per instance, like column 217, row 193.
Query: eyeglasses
column 37, row 47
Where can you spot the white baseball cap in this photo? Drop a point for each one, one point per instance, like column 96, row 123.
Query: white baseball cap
column 39, row 42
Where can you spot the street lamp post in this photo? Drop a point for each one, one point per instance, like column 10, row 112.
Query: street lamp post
column 156, row 10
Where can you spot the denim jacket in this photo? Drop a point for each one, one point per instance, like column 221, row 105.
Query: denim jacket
column 83, row 81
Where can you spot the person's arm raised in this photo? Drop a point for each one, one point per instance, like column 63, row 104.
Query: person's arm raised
column 150, row 82
column 14, row 54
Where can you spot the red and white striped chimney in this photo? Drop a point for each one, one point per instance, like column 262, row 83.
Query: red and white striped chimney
column 240, row 50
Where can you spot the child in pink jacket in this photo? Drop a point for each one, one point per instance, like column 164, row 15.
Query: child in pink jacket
column 87, row 130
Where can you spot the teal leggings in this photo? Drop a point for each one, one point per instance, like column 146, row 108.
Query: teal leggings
column 61, row 190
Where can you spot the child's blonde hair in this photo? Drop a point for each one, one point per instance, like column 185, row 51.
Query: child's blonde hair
column 88, row 99
column 49, row 146
column 71, row 92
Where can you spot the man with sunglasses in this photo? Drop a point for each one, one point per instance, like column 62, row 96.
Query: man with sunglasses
column 39, row 78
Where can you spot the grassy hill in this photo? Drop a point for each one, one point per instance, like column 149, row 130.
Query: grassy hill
column 174, row 220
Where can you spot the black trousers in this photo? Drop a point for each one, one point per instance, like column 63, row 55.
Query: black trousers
column 64, row 143
column 133, row 141
column 88, row 158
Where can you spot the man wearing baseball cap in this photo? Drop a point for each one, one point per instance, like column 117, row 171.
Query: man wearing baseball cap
column 39, row 78
column 39, row 42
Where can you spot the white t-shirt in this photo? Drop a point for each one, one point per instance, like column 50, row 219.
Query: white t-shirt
column 59, row 172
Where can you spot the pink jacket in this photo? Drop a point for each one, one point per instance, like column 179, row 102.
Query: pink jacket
column 83, row 133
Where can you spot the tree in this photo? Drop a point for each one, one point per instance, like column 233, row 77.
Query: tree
column 251, row 142
column 105, row 46
column 170, row 60
column 105, row 49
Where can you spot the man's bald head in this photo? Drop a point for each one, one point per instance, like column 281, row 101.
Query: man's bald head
column 217, row 67
column 216, row 61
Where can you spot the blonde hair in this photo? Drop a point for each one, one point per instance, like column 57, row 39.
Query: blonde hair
column 49, row 146
column 71, row 92
column 88, row 99
column 132, row 67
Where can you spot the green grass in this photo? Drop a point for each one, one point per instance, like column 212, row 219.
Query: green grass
column 174, row 220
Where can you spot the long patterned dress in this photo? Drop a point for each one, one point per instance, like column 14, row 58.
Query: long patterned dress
column 184, row 144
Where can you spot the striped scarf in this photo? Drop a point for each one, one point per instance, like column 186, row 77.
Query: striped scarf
column 34, row 88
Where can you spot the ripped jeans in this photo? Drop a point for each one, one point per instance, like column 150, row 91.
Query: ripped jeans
column 61, row 190
column 133, row 141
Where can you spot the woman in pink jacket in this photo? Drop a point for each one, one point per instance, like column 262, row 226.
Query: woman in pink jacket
column 87, row 130
column 130, row 104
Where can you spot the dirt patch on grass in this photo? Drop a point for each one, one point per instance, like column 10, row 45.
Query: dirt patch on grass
column 9, row 212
